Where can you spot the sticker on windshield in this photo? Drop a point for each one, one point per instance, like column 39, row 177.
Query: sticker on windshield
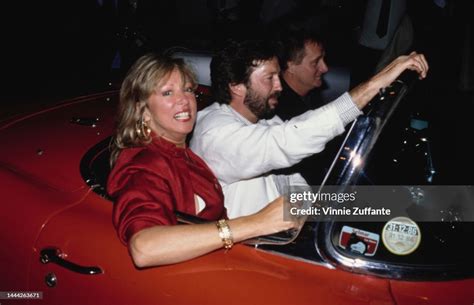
column 401, row 235
column 358, row 241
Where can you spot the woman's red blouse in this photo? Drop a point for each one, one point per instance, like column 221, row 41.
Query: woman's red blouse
column 148, row 184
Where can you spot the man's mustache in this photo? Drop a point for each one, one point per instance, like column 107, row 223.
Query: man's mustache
column 275, row 95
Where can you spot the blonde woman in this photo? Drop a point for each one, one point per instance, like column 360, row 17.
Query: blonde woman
column 155, row 174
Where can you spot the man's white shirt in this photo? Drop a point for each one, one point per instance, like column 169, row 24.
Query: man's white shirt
column 242, row 154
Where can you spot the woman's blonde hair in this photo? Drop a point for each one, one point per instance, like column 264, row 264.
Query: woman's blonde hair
column 148, row 72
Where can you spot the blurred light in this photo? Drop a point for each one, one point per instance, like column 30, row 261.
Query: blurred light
column 356, row 160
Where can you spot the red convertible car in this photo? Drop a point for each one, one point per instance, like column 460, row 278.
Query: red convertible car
column 59, row 245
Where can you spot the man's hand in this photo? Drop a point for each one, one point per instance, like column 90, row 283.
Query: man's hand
column 364, row 92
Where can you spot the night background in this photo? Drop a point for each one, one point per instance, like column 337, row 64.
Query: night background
column 53, row 50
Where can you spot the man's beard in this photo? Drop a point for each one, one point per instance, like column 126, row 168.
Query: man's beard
column 259, row 105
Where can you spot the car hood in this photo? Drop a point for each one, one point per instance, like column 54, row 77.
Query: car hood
column 47, row 146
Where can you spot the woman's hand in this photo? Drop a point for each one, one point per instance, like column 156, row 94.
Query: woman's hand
column 271, row 218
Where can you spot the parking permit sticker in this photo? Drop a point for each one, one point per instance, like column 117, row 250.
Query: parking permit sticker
column 401, row 235
column 359, row 241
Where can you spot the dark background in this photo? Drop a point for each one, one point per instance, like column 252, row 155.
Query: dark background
column 53, row 50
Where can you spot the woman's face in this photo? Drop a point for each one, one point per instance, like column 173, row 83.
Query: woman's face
column 171, row 109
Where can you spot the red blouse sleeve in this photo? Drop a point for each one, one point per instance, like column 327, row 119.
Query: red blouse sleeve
column 142, row 199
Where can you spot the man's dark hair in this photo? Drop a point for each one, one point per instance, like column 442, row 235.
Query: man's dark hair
column 234, row 63
column 291, row 47
column 291, row 33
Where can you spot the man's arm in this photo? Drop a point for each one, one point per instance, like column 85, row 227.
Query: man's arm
column 235, row 150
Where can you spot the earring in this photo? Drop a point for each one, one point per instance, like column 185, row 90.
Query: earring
column 142, row 129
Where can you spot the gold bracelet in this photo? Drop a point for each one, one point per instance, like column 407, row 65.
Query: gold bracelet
column 225, row 233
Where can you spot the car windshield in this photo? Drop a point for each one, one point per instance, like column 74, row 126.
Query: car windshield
column 429, row 226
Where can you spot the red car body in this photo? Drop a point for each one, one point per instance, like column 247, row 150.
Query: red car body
column 46, row 204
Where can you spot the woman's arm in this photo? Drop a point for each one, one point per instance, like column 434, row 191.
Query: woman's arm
column 161, row 245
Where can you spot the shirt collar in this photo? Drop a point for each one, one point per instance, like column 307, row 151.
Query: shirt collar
column 237, row 114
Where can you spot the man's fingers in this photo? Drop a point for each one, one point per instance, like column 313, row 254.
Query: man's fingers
column 425, row 62
column 419, row 64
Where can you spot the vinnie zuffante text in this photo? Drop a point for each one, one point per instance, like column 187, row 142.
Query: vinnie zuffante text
column 342, row 211
column 320, row 207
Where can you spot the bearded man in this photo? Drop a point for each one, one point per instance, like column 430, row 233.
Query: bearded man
column 242, row 140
